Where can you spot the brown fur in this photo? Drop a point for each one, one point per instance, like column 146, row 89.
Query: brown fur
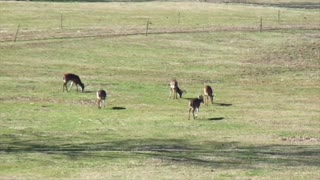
column 194, row 105
column 208, row 94
column 74, row 79
column 174, row 90
column 101, row 98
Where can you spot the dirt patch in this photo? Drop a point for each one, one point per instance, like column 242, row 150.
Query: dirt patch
column 304, row 5
column 34, row 100
column 293, row 54
column 300, row 139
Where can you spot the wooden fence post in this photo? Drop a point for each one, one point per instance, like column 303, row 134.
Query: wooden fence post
column 61, row 21
column 16, row 35
column 147, row 27
column 260, row 29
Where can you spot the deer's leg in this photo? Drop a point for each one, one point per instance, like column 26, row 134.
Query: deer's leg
column 194, row 117
column 189, row 113
column 197, row 111
column 102, row 103
column 71, row 84
column 98, row 103
column 64, row 86
column 207, row 99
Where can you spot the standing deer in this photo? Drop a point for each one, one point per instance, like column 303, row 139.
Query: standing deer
column 74, row 79
column 101, row 98
column 208, row 94
column 174, row 90
column 194, row 105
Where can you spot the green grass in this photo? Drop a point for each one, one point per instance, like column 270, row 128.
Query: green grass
column 264, row 123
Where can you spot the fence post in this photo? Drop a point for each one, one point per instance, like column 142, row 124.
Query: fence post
column 260, row 29
column 61, row 21
column 16, row 35
column 279, row 16
column 147, row 27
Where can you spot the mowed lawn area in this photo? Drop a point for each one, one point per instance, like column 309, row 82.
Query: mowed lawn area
column 263, row 63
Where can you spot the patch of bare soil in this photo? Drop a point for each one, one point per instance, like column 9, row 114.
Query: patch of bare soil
column 297, row 55
column 300, row 139
column 304, row 5
column 32, row 100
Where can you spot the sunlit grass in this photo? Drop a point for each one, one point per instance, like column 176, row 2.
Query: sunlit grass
column 264, row 122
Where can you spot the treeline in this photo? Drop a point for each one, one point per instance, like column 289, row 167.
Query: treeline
column 83, row 0
column 86, row 0
column 306, row 4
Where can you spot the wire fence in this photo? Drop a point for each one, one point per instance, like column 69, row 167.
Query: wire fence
column 64, row 29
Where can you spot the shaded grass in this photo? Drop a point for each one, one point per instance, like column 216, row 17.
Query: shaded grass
column 211, row 156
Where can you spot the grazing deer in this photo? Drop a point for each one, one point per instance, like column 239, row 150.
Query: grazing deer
column 194, row 105
column 101, row 98
column 174, row 90
column 74, row 79
column 208, row 94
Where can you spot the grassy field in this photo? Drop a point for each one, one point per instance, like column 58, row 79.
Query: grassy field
column 264, row 123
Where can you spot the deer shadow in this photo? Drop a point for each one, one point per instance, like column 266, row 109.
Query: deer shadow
column 216, row 119
column 118, row 108
column 189, row 98
column 223, row 104
column 88, row 92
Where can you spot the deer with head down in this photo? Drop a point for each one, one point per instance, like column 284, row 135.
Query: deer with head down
column 208, row 94
column 175, row 90
column 194, row 105
column 75, row 79
column 101, row 98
